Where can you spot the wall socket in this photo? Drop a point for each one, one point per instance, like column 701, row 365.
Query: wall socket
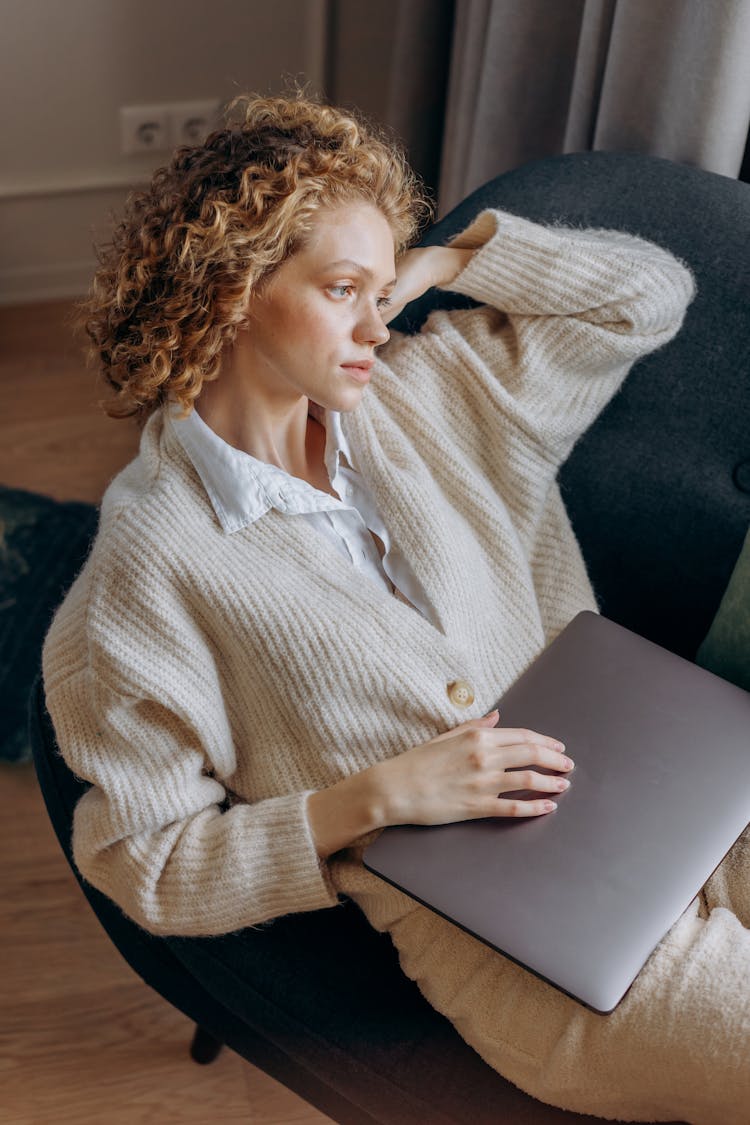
column 191, row 122
column 143, row 128
column 158, row 128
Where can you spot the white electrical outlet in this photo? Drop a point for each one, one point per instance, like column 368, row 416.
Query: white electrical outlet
column 191, row 122
column 144, row 128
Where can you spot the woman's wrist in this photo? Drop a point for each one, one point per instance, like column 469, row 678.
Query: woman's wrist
column 451, row 262
column 345, row 811
column 423, row 268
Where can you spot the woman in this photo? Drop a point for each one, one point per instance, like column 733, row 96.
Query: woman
column 306, row 591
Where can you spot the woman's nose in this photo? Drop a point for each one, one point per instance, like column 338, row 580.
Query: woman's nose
column 371, row 330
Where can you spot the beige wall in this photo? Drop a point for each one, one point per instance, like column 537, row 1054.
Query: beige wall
column 66, row 68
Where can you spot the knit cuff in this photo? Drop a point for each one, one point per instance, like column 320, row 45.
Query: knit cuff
column 521, row 266
column 281, row 854
column 516, row 265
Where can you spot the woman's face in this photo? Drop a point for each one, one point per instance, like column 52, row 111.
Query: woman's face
column 315, row 325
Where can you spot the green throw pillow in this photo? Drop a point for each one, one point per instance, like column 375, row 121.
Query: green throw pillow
column 726, row 648
column 43, row 545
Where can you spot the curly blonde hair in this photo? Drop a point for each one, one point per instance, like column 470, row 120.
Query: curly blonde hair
column 173, row 284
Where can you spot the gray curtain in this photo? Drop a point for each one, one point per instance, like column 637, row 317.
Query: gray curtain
column 531, row 78
column 390, row 60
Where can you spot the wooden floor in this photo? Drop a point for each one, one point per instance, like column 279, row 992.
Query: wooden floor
column 83, row 1041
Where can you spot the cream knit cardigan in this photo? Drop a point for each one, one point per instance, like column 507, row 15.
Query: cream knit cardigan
column 205, row 683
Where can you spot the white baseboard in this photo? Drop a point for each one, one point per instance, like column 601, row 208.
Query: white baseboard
column 28, row 285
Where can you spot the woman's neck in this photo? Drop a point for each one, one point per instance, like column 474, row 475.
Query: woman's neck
column 278, row 440
column 272, row 429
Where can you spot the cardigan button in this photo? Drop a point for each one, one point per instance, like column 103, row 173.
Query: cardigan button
column 461, row 693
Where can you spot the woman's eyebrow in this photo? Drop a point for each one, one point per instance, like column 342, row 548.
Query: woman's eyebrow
column 360, row 269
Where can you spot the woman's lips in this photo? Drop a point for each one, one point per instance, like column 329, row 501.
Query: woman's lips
column 359, row 371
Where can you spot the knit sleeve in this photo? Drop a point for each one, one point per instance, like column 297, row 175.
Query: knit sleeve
column 564, row 314
column 157, row 831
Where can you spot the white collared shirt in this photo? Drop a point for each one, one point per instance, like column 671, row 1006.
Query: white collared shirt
column 242, row 489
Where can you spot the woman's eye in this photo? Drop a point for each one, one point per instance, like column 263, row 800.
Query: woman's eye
column 347, row 289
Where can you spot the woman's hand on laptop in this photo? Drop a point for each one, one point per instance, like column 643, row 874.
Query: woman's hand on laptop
column 464, row 773
column 461, row 774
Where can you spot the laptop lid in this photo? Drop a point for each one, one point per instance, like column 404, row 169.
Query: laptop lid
column 659, row 794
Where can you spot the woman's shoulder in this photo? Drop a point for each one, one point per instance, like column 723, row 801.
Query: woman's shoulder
column 150, row 513
column 159, row 475
column 131, row 589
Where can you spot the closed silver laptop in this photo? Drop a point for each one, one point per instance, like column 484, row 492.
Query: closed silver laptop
column 659, row 794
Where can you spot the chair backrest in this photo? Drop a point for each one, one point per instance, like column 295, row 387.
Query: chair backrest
column 658, row 489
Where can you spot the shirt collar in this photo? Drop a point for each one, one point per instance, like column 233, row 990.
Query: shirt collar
column 337, row 444
column 240, row 487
